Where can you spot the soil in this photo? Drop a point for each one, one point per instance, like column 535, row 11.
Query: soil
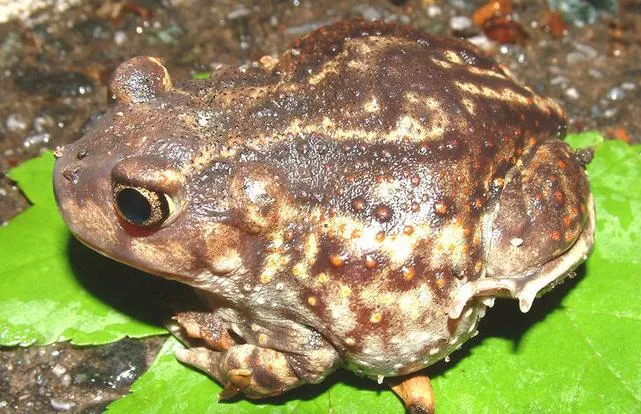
column 56, row 59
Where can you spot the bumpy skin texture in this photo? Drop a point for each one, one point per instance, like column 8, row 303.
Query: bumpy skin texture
column 356, row 203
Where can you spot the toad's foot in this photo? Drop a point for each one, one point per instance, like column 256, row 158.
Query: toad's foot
column 416, row 392
column 256, row 361
column 205, row 326
column 257, row 372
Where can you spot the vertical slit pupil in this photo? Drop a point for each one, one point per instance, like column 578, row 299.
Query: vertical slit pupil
column 134, row 206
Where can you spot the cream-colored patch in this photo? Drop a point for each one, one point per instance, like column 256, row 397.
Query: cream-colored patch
column 373, row 346
column 502, row 95
column 442, row 63
column 387, row 190
column 449, row 246
column 407, row 127
column 453, row 57
column 409, row 306
column 275, row 262
column 372, row 105
column 399, row 248
column 475, row 70
column 329, row 68
column 343, row 319
column 469, row 106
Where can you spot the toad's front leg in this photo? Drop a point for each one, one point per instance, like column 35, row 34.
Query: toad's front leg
column 286, row 356
column 259, row 372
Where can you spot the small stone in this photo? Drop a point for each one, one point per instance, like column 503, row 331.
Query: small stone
column 434, row 11
column 36, row 140
column 460, row 24
column 572, row 93
column 62, row 405
column 16, row 123
column 615, row 94
column 58, row 370
column 120, row 38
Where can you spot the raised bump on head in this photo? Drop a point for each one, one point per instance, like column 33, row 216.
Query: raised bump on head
column 139, row 79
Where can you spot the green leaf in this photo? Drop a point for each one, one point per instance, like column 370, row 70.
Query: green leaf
column 52, row 288
column 577, row 350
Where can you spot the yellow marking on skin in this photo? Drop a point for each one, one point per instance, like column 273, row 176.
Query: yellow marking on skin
column 265, row 278
column 323, row 278
column 453, row 57
column 262, row 339
column 371, row 105
column 275, row 262
column 350, row 341
column 406, row 128
column 311, row 247
column 345, row 291
column 343, row 318
column 299, row 270
column 441, row 63
column 408, row 305
column 329, row 68
column 376, row 317
column 450, row 246
column 312, row 300
column 166, row 79
column 387, row 298
column 475, row 70
column 469, row 105
column 501, row 95
column 399, row 248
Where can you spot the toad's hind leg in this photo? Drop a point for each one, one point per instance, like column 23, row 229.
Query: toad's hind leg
column 259, row 372
column 416, row 392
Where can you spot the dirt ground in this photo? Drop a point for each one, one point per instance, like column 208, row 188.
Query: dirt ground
column 55, row 64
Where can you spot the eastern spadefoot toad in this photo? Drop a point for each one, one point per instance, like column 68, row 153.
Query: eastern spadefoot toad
column 356, row 203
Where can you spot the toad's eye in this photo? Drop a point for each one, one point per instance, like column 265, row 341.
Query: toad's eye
column 141, row 206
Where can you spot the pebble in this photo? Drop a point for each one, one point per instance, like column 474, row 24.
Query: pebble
column 58, row 370
column 16, row 123
column 615, row 94
column 574, row 58
column 460, row 23
column 482, row 41
column 62, row 405
column 120, row 38
column 559, row 80
column 588, row 51
column 367, row 12
column 572, row 93
column 595, row 73
column 434, row 11
column 239, row 12
column 36, row 139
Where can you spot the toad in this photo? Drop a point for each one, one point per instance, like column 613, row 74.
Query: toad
column 356, row 203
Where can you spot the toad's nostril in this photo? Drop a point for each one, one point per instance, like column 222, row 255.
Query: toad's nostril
column 71, row 174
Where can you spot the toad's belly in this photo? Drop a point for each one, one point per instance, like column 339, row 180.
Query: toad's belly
column 407, row 345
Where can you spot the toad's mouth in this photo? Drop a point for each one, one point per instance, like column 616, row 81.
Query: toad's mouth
column 131, row 263
column 525, row 288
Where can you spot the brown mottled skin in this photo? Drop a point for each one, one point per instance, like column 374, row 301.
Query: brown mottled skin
column 357, row 203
